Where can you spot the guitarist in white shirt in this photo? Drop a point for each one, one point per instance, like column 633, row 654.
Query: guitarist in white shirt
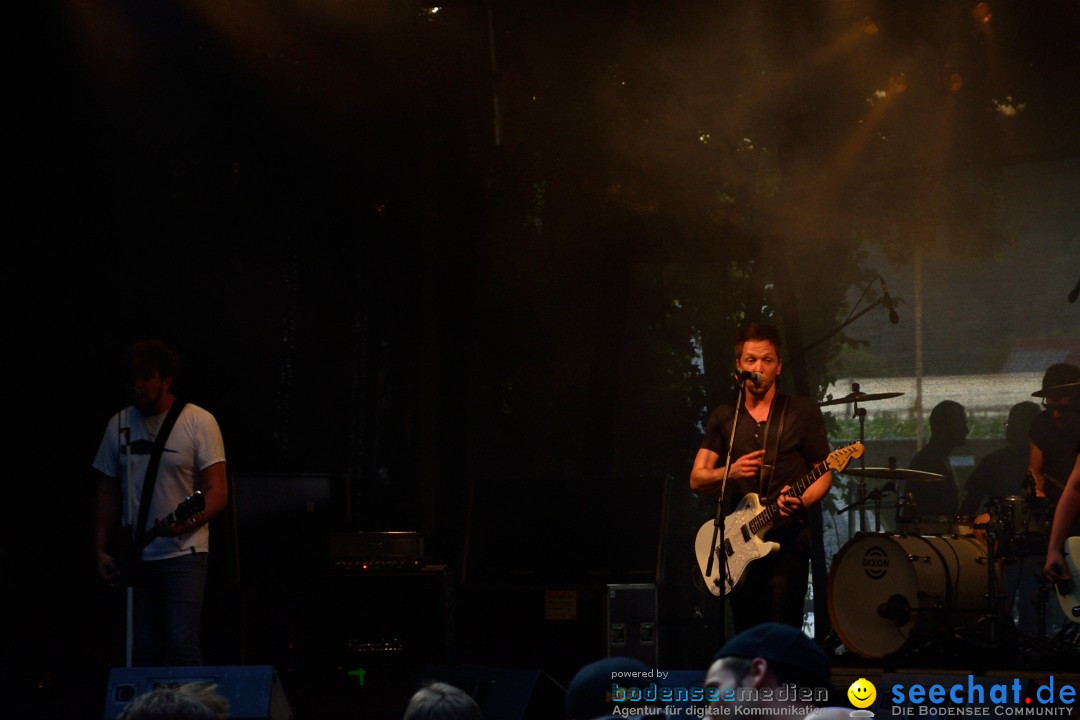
column 773, row 588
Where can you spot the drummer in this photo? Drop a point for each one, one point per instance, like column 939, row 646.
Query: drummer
column 1001, row 472
column 948, row 430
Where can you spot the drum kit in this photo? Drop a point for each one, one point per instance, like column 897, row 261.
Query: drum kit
column 900, row 593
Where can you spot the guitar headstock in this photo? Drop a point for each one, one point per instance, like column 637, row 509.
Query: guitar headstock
column 839, row 459
column 192, row 505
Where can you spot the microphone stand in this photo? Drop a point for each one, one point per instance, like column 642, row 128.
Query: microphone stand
column 718, row 522
column 860, row 413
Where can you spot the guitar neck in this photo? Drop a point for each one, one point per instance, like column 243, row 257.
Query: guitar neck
column 766, row 516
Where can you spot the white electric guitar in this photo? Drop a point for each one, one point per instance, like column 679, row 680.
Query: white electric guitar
column 1069, row 596
column 745, row 526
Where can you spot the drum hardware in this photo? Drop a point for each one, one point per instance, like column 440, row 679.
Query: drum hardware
column 857, row 396
column 1022, row 524
column 854, row 398
column 876, row 496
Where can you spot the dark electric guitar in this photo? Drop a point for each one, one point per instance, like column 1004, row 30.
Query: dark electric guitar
column 1069, row 593
column 748, row 523
column 127, row 555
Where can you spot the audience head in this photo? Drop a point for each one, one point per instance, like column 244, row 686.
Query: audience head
column 588, row 697
column 440, row 701
column 166, row 704
column 769, row 655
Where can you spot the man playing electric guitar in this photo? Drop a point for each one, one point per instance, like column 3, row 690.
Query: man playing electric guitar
column 773, row 588
column 172, row 569
column 1057, row 565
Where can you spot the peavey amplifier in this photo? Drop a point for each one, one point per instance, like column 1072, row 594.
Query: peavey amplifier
column 376, row 551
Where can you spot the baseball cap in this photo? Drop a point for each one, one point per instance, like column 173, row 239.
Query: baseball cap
column 781, row 645
column 589, row 694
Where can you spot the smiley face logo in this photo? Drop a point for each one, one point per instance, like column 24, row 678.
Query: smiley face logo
column 862, row 693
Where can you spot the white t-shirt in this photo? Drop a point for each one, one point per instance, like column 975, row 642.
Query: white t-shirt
column 193, row 445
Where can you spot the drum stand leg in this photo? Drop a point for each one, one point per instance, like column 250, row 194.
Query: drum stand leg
column 991, row 584
column 1040, row 605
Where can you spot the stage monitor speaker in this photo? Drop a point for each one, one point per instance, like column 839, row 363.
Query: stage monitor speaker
column 503, row 693
column 253, row 691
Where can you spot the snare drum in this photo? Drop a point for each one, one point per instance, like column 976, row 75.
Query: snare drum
column 956, row 525
column 886, row 589
column 1025, row 523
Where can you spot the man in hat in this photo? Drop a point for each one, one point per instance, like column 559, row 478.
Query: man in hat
column 1056, row 430
column 588, row 696
column 1052, row 453
column 758, row 667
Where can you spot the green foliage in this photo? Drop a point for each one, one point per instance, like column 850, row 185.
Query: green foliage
column 893, row 425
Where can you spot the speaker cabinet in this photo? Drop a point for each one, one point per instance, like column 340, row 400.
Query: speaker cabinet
column 503, row 693
column 630, row 622
column 253, row 691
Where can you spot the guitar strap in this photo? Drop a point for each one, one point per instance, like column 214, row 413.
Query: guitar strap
column 772, row 442
column 151, row 474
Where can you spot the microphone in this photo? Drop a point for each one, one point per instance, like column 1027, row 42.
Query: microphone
column 754, row 377
column 893, row 317
column 896, row 610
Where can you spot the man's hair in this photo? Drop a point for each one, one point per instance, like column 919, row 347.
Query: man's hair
column 207, row 694
column 440, row 701
column 944, row 413
column 149, row 355
column 757, row 332
column 166, row 704
column 1021, row 415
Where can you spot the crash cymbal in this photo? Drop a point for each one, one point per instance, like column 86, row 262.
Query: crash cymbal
column 859, row 397
column 1067, row 388
column 884, row 473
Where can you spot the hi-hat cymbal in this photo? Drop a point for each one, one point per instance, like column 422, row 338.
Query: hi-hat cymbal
column 884, row 473
column 1062, row 389
column 859, row 397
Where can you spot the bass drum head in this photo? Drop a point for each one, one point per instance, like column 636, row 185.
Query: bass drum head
column 872, row 574
column 885, row 589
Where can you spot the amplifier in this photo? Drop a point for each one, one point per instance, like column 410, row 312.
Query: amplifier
column 377, row 550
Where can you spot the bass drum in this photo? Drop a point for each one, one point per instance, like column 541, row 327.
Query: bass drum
column 888, row 589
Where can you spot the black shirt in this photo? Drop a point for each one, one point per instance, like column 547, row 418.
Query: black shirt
column 1058, row 446
column 802, row 443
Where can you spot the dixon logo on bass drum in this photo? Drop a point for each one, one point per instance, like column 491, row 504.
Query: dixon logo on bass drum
column 876, row 563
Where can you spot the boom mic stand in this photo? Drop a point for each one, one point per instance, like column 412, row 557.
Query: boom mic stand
column 718, row 522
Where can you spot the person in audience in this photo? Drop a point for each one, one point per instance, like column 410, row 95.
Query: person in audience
column 767, row 657
column 166, row 703
column 588, row 696
column 441, row 701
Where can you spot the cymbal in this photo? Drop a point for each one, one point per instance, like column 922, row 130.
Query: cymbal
column 884, row 473
column 1066, row 388
column 859, row 397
